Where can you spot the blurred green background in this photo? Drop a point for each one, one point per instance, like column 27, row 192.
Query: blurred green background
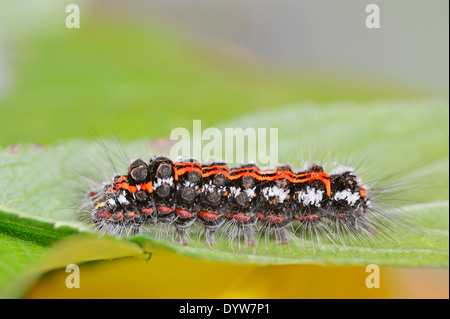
column 142, row 68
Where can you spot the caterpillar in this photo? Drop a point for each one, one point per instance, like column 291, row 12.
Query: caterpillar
column 185, row 192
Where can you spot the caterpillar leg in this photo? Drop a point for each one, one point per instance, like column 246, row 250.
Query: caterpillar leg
column 242, row 226
column 282, row 236
column 210, row 238
column 249, row 235
column 182, row 235
column 183, row 222
column 276, row 226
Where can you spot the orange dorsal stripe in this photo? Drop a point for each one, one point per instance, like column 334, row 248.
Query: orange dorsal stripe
column 183, row 168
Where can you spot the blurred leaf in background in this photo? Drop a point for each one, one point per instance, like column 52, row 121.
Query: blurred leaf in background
column 140, row 78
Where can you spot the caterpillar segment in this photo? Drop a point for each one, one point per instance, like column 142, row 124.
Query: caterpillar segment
column 310, row 197
column 213, row 199
column 349, row 204
column 188, row 181
column 164, row 189
column 242, row 203
column 275, row 204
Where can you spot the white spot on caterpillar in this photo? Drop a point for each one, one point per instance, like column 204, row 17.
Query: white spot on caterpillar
column 310, row 197
column 212, row 188
column 161, row 181
column 190, row 184
column 250, row 192
column 207, row 188
column 122, row 200
column 235, row 191
column 347, row 195
column 112, row 202
column 275, row 191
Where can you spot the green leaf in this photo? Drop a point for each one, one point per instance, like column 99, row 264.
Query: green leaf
column 39, row 193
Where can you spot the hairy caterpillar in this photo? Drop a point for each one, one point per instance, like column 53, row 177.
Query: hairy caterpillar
column 241, row 201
